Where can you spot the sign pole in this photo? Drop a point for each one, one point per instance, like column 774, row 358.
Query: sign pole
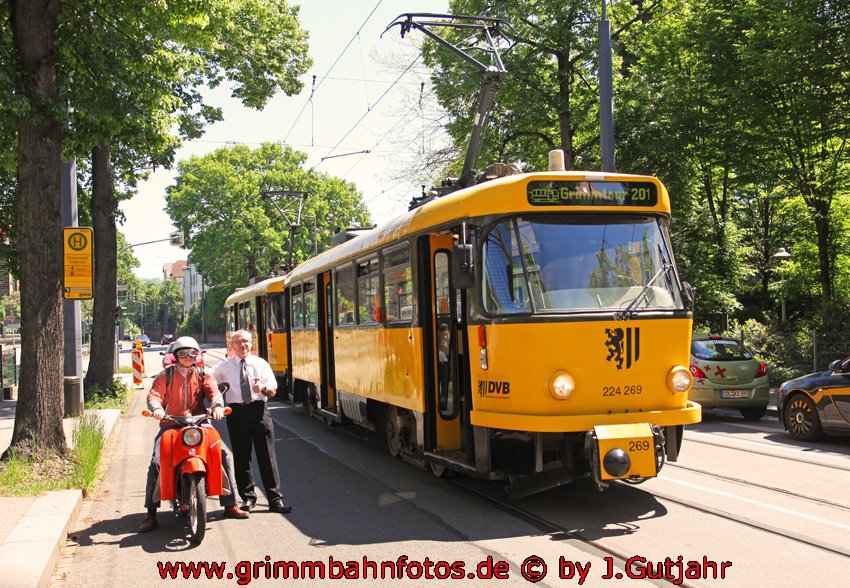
column 71, row 319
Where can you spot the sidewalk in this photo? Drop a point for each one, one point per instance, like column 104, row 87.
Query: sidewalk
column 33, row 528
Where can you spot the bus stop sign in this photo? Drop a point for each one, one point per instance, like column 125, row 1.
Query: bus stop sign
column 79, row 262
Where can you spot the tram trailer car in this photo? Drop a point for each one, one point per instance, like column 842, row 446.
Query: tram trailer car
column 260, row 309
column 531, row 328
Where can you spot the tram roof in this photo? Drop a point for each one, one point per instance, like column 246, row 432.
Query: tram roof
column 505, row 195
column 275, row 284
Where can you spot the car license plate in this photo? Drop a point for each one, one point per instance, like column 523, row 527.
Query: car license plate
column 735, row 393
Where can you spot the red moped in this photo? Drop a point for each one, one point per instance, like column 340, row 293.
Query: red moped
column 190, row 468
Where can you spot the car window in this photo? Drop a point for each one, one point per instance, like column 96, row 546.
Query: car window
column 720, row 349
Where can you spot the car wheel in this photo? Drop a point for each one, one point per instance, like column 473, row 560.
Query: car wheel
column 753, row 413
column 802, row 420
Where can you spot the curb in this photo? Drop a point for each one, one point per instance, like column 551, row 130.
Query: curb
column 29, row 553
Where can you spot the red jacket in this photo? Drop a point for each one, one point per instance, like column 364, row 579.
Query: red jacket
column 183, row 396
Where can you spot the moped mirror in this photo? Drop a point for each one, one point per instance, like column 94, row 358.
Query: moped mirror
column 223, row 387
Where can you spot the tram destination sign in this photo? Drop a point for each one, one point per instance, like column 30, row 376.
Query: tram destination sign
column 79, row 263
column 565, row 193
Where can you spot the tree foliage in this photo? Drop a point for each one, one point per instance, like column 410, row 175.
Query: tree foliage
column 738, row 106
column 131, row 74
column 235, row 231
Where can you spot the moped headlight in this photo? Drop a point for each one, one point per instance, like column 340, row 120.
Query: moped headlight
column 561, row 385
column 679, row 379
column 192, row 437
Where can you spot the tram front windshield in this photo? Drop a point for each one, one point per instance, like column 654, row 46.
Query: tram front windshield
column 558, row 264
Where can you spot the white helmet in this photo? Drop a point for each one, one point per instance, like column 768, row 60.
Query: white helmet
column 186, row 343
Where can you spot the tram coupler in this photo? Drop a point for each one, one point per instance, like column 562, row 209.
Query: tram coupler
column 631, row 452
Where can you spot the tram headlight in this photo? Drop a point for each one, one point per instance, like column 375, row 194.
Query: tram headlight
column 192, row 437
column 561, row 385
column 679, row 379
column 617, row 463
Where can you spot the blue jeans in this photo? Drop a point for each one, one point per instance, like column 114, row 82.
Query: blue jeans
column 153, row 474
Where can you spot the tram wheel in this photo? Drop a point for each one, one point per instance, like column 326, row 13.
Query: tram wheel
column 439, row 470
column 393, row 432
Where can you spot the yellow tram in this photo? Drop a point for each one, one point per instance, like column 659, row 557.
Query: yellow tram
column 531, row 328
column 261, row 309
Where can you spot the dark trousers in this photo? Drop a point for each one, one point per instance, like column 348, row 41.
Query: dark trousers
column 153, row 475
column 250, row 426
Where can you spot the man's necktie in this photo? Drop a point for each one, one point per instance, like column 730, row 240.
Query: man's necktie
column 243, row 382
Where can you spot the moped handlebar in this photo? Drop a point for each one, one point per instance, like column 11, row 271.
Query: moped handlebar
column 194, row 419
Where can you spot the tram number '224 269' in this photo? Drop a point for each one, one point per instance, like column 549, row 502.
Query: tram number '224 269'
column 621, row 390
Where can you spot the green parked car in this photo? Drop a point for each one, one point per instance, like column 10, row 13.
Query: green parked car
column 726, row 375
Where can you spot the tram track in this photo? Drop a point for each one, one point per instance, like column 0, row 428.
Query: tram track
column 732, row 517
column 554, row 529
column 835, row 461
column 619, row 558
column 744, row 482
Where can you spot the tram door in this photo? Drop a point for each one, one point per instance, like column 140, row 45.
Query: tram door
column 444, row 346
column 326, row 340
column 263, row 322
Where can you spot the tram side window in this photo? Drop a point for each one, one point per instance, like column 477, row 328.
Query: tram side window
column 231, row 319
column 398, row 285
column 276, row 316
column 345, row 296
column 368, row 292
column 310, row 319
column 297, row 308
column 504, row 284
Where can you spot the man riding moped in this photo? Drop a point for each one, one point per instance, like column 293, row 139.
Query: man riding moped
column 180, row 390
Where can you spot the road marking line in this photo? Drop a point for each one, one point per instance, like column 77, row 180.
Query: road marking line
column 782, row 509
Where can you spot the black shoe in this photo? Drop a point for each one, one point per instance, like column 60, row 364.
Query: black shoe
column 149, row 524
column 249, row 504
column 279, row 507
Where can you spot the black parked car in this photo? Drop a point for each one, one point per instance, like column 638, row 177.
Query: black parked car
column 817, row 404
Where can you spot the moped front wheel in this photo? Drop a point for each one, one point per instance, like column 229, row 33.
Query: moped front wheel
column 197, row 506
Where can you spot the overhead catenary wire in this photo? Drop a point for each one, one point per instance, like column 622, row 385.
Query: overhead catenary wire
column 317, row 86
column 378, row 101
column 401, row 119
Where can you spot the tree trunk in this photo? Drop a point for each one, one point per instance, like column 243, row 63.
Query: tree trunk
column 38, row 416
column 103, row 206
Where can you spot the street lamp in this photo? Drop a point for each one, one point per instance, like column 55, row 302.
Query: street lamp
column 782, row 255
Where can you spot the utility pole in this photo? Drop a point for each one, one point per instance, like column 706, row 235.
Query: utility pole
column 203, row 312
column 606, row 95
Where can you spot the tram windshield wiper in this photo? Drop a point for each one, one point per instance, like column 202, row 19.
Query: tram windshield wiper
column 630, row 309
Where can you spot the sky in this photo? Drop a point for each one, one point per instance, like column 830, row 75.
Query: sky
column 355, row 107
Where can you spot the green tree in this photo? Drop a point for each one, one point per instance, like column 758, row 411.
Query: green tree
column 32, row 80
column 131, row 73
column 795, row 58
column 234, row 231
column 10, row 306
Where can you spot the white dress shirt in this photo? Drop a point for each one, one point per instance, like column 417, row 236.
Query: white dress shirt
column 257, row 367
